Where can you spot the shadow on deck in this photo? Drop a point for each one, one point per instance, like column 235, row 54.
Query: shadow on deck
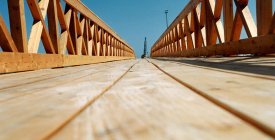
column 253, row 65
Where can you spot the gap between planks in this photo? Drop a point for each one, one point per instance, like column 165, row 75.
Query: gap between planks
column 57, row 129
column 163, row 109
column 54, row 74
column 221, row 70
column 57, row 103
column 258, row 125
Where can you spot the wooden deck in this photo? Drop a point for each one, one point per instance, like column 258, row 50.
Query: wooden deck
column 180, row 98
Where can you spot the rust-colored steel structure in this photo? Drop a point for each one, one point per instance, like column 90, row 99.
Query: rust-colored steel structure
column 70, row 36
column 211, row 27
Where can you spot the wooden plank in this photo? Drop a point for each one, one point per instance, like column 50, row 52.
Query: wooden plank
column 190, row 45
column 6, row 42
column 94, row 39
column 73, row 31
column 216, row 7
column 41, row 81
column 198, row 34
column 53, row 25
column 272, row 26
column 104, row 43
column 11, row 81
column 228, row 19
column 264, row 16
column 18, row 24
column 101, row 41
column 248, row 97
column 115, row 47
column 86, row 38
column 51, row 107
column 260, row 67
column 112, row 46
column 79, row 45
column 98, row 40
column 211, row 34
column 78, row 24
column 237, row 27
column 220, row 30
column 181, row 26
column 16, row 62
column 39, row 29
column 177, row 38
column 163, row 109
column 89, row 38
column 108, row 45
column 247, row 19
column 65, row 40
column 170, row 45
column 98, row 43
column 81, row 50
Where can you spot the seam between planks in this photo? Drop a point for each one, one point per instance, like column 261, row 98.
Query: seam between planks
column 224, row 71
column 63, row 83
column 8, row 87
column 60, row 127
column 253, row 122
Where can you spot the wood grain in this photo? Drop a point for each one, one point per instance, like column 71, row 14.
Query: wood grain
column 163, row 109
column 6, row 41
column 40, row 112
column 251, row 98
column 16, row 62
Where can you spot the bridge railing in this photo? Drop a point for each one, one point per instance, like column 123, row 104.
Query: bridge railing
column 214, row 27
column 73, row 35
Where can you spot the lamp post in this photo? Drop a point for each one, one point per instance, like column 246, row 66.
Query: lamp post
column 166, row 13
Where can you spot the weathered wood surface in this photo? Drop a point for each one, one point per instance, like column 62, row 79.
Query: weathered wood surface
column 249, row 96
column 34, row 110
column 147, row 104
column 117, row 101
column 262, row 67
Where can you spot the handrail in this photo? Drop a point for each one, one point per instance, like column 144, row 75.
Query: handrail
column 73, row 36
column 82, row 32
column 199, row 30
column 88, row 13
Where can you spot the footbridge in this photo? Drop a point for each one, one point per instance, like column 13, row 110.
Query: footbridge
column 211, row 74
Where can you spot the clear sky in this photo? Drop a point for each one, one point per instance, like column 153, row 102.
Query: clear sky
column 131, row 19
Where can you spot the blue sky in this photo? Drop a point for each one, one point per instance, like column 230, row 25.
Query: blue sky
column 135, row 19
column 131, row 19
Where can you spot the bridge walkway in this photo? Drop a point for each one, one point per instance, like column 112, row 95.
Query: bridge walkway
column 179, row 98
